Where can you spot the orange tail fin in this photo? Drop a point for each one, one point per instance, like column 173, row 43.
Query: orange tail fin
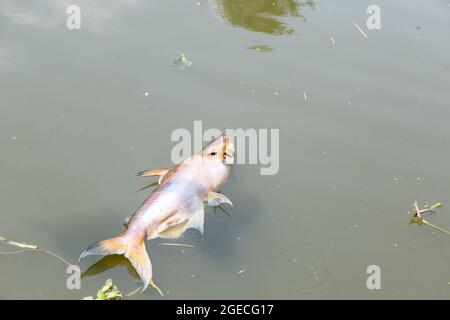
column 136, row 253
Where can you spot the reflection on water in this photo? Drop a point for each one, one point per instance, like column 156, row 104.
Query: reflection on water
column 260, row 15
column 52, row 13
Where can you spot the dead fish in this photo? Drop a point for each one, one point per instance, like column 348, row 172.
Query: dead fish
column 174, row 206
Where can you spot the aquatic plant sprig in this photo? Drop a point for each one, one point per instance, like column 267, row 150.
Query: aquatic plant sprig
column 416, row 216
column 108, row 292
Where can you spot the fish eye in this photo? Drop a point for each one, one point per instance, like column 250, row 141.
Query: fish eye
column 212, row 154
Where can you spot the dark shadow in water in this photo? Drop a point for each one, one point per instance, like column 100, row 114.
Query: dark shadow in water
column 109, row 262
column 221, row 240
column 260, row 15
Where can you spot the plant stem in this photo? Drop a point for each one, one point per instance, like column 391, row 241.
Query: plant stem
column 31, row 247
column 435, row 227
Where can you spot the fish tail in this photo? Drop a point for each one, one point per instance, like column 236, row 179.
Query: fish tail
column 134, row 251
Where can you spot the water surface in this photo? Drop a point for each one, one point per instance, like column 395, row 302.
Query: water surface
column 371, row 137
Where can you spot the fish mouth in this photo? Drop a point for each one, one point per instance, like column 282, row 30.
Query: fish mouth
column 227, row 150
column 228, row 159
column 224, row 146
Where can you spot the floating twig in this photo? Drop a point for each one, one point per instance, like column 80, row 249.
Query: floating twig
column 417, row 216
column 30, row 247
column 360, row 30
column 176, row 244
column 153, row 284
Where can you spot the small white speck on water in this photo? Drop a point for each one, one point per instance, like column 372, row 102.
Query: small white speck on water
column 396, row 245
column 80, row 130
column 242, row 270
column 358, row 89
column 278, row 186
column 78, row 58
column 192, row 275
column 253, row 90
column 360, row 30
column 14, row 138
column 242, row 83
column 324, row 152
column 304, row 96
column 276, row 93
column 146, row 94
column 349, row 104
column 419, row 179
column 239, row 238
column 131, row 147
column 332, row 40
column 198, row 3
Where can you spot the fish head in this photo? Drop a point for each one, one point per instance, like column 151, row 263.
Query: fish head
column 220, row 150
column 214, row 162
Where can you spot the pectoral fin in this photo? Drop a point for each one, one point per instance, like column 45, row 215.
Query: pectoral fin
column 155, row 172
column 214, row 199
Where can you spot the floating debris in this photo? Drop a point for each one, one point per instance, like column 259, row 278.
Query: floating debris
column 146, row 94
column 261, row 48
column 182, row 62
column 242, row 270
column 30, row 247
column 304, row 96
column 176, row 244
column 332, row 40
column 416, row 216
column 360, row 30
column 108, row 292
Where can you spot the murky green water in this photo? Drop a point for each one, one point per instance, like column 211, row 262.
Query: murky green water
column 364, row 131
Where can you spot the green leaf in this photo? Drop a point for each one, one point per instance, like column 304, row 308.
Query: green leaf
column 436, row 205
column 100, row 295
